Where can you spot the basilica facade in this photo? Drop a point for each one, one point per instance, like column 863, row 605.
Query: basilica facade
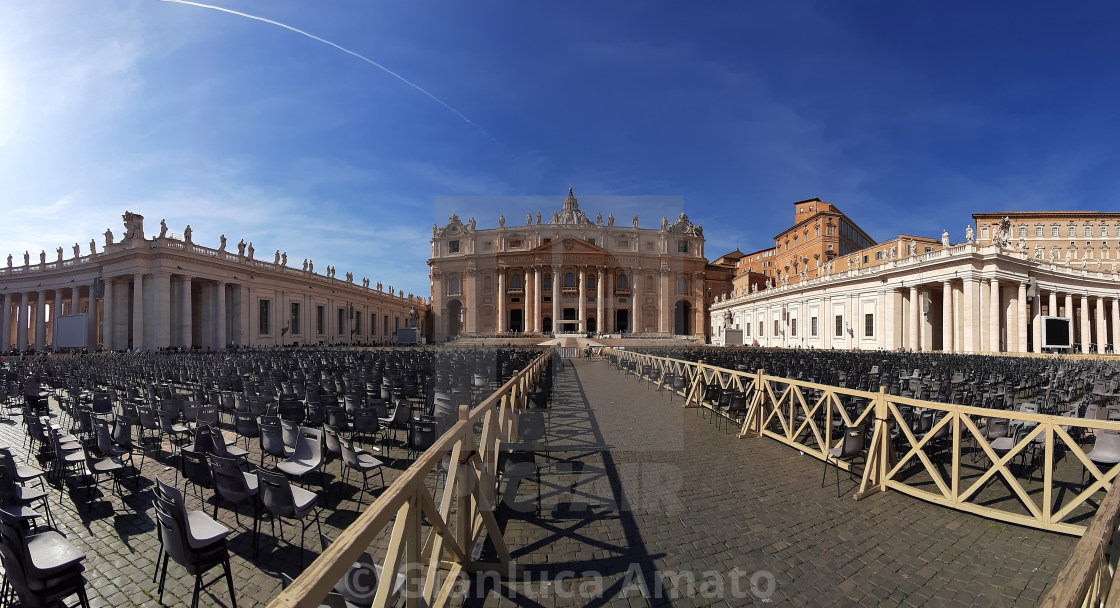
column 568, row 274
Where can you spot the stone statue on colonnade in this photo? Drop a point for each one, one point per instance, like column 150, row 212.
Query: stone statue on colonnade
column 968, row 234
column 26, row 258
column 635, row 221
column 284, row 259
column 251, row 250
column 222, row 243
column 187, row 233
column 945, row 239
column 276, row 258
column 108, row 237
column 241, row 247
column 305, row 264
column 43, row 256
column 610, row 219
column 528, row 219
column 92, row 247
column 77, row 251
column 60, row 254
column 163, row 228
column 9, row 260
column 501, row 221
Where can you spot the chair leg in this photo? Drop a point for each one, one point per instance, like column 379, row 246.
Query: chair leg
column 197, row 589
column 229, row 582
column 824, row 472
column 163, row 578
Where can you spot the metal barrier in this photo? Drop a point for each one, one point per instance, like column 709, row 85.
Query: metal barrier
column 932, row 466
column 431, row 564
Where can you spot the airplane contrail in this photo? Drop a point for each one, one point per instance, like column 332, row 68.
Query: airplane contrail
column 344, row 50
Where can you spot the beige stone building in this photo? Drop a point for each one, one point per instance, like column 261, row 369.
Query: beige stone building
column 568, row 274
column 169, row 291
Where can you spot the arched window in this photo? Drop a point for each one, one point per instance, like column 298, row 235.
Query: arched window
column 569, row 280
column 622, row 282
column 515, row 281
column 453, row 285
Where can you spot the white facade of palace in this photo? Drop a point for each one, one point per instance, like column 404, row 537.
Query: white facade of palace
column 568, row 274
column 168, row 291
column 967, row 298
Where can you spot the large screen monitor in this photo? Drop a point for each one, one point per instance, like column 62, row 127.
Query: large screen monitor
column 70, row 331
column 1056, row 332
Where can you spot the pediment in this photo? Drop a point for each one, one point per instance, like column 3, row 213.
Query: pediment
column 569, row 246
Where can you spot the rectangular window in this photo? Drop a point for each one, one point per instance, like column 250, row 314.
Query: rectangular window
column 878, row 255
column 984, row 232
column 747, row 329
column 1088, row 231
column 793, row 328
column 453, row 246
column 386, row 326
column 813, row 327
column 869, row 325
column 515, row 243
column 928, row 249
column 839, row 326
column 294, row 327
column 1054, row 231
column 1104, row 230
column 865, row 258
column 373, row 323
column 682, row 246
column 1038, row 231
column 1072, row 230
column 358, row 324
column 1023, row 231
column 341, row 321
column 320, row 320
column 265, row 327
column 776, row 328
column 760, row 334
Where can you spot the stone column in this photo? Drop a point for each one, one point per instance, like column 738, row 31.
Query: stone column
column 1115, row 325
column 40, row 321
column 969, row 316
column 1036, row 323
column 993, row 318
column 1069, row 315
column 1102, row 327
column 946, row 317
column 983, row 317
column 581, row 309
column 635, row 327
column 162, row 311
column 530, row 299
column 221, row 323
column 538, row 298
column 664, row 324
column 913, row 338
column 186, row 321
column 600, row 305
column 6, row 323
column 501, row 321
column 56, row 312
column 21, row 322
column 556, row 283
column 1085, row 336
column 138, row 311
column 91, row 317
column 472, row 304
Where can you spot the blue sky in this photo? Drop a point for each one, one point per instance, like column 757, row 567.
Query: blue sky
column 908, row 116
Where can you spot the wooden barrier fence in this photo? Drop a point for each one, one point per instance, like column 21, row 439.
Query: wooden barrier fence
column 433, row 562
column 953, row 464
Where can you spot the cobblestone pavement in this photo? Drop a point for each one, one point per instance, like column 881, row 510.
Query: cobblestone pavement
column 118, row 533
column 639, row 492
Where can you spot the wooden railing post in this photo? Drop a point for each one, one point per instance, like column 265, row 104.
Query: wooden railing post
column 879, row 451
column 752, row 423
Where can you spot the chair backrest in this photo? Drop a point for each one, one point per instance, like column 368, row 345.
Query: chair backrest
column 173, row 531
column 276, row 492
column 336, row 416
column 203, row 441
column 290, row 431
column 246, row 424
column 853, row 442
column 365, row 421
column 530, row 426
column 122, row 433
column 195, row 467
column 272, row 441
column 171, row 494
column 402, row 412
column 229, row 481
column 309, row 447
column 349, row 454
column 421, row 434
column 104, row 440
column 217, row 442
column 331, row 439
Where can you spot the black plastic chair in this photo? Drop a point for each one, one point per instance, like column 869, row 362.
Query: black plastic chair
column 361, row 462
column 851, row 445
column 197, row 561
column 233, row 484
column 42, row 568
column 283, row 500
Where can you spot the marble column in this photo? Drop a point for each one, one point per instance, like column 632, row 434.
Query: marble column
column 472, row 304
column 600, row 305
column 969, row 309
column 1069, row 315
column 186, row 320
column 983, row 320
column 556, row 283
column 913, row 341
column 581, row 308
column 1085, row 335
column 40, row 321
column 664, row 324
column 946, row 317
column 91, row 317
column 538, row 298
column 221, row 323
column 501, row 321
column 993, row 318
column 1052, row 310
column 1102, row 327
